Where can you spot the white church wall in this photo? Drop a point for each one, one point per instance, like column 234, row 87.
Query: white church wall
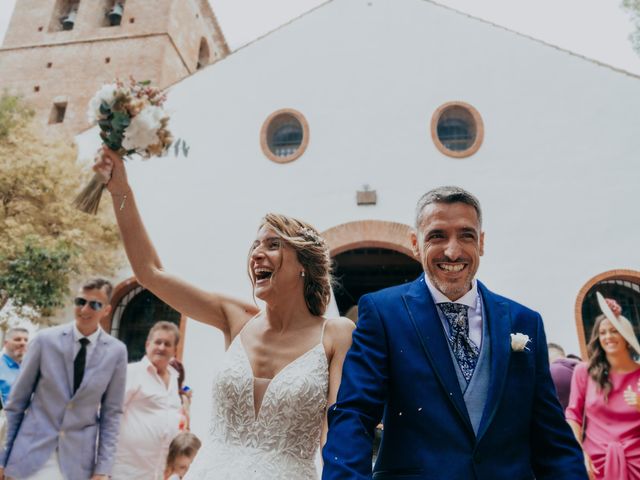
column 556, row 172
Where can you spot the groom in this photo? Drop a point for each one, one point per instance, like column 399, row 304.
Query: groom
column 436, row 360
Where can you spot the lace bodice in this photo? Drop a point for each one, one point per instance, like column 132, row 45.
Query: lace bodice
column 281, row 441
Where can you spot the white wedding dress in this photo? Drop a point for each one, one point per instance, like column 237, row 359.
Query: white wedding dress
column 281, row 441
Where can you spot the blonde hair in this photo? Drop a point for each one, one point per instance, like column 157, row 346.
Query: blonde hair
column 312, row 253
column 185, row 443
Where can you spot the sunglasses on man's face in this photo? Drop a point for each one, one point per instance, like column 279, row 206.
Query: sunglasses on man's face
column 93, row 304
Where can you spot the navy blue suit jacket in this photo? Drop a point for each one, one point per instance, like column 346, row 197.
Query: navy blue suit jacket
column 399, row 369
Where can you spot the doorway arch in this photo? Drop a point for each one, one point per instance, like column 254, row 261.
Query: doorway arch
column 134, row 309
column 621, row 284
column 369, row 255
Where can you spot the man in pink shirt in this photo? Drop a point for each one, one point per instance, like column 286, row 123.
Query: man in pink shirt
column 152, row 409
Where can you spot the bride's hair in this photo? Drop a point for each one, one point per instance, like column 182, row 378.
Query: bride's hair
column 313, row 254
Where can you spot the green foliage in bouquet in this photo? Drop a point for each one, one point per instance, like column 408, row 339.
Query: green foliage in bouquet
column 112, row 127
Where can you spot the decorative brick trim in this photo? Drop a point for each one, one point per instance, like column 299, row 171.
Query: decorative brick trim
column 479, row 130
column 618, row 274
column 369, row 233
column 119, row 292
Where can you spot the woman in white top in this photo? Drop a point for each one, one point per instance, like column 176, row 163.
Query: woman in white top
column 282, row 366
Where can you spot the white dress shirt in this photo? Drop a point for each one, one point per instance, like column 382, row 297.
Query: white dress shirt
column 91, row 346
column 471, row 299
column 150, row 421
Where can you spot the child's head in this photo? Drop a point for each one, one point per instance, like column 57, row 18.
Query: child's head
column 182, row 450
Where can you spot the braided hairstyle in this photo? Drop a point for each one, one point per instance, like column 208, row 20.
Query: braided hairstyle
column 312, row 253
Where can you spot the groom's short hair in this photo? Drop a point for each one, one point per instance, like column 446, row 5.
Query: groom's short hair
column 447, row 194
column 99, row 284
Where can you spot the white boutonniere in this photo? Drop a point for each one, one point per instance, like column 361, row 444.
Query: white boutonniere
column 519, row 342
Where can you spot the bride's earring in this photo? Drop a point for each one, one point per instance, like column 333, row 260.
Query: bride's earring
column 302, row 274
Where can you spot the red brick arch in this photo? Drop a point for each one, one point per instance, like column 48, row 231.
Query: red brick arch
column 369, row 233
column 620, row 274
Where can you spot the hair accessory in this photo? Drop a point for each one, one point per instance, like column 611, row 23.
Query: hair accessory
column 620, row 323
column 310, row 236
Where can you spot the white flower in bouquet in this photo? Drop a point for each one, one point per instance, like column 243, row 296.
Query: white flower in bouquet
column 106, row 95
column 142, row 132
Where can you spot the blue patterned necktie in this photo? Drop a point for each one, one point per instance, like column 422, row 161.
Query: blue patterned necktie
column 465, row 351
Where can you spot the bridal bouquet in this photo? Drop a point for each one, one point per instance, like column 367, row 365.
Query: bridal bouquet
column 131, row 121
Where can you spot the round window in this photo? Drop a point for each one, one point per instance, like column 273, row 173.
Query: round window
column 457, row 129
column 284, row 136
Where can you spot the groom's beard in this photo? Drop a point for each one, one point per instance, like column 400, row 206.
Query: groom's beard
column 452, row 289
column 452, row 292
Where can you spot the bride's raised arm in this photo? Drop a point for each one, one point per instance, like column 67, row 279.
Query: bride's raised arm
column 223, row 312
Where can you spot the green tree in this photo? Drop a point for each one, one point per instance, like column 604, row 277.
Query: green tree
column 633, row 7
column 45, row 243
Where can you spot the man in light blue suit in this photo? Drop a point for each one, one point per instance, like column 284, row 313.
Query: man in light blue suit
column 64, row 411
column 459, row 375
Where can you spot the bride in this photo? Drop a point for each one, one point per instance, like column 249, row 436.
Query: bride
column 282, row 366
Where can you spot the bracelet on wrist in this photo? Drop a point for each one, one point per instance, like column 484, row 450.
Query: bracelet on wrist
column 124, row 198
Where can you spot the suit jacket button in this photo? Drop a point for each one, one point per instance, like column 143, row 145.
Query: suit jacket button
column 62, row 433
column 477, row 458
column 70, row 405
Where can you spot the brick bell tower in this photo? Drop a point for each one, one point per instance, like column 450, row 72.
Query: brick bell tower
column 57, row 53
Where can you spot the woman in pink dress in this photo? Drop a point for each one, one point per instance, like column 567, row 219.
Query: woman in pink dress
column 604, row 407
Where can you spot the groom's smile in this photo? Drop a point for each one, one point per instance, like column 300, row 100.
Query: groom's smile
column 451, row 267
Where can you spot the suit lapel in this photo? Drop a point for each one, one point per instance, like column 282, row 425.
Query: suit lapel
column 497, row 315
column 425, row 319
column 67, row 350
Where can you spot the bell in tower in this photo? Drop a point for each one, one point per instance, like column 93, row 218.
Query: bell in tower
column 69, row 20
column 115, row 14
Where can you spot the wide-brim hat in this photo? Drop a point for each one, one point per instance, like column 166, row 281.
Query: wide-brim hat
column 620, row 323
